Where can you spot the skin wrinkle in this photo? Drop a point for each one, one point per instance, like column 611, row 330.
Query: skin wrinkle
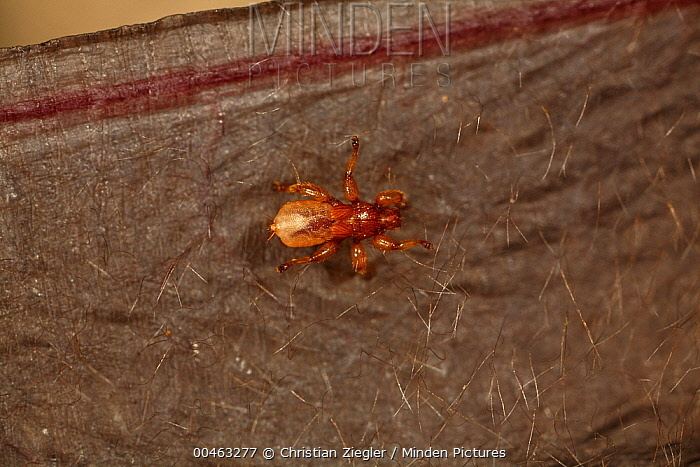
column 141, row 316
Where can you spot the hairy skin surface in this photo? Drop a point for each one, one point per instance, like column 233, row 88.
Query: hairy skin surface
column 556, row 174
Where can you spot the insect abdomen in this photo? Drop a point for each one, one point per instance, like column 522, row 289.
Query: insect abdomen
column 303, row 223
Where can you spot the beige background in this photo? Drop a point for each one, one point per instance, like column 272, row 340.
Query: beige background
column 25, row 22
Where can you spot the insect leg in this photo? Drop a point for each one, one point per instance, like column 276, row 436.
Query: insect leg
column 351, row 191
column 391, row 198
column 358, row 258
column 305, row 189
column 324, row 252
column 384, row 243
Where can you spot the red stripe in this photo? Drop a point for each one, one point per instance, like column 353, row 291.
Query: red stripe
column 481, row 29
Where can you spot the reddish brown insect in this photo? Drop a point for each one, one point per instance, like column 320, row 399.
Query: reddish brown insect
column 326, row 221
